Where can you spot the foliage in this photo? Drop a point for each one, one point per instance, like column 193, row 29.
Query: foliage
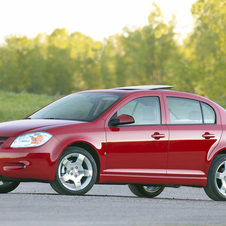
column 61, row 63
column 207, row 57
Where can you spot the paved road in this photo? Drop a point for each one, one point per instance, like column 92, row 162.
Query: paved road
column 37, row 204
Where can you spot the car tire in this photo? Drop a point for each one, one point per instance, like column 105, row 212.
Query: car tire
column 76, row 172
column 148, row 191
column 7, row 186
column 216, row 179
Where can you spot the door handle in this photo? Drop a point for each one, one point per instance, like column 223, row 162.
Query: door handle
column 157, row 135
column 208, row 135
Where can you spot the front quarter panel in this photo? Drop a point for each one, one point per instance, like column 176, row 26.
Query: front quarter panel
column 92, row 134
column 40, row 163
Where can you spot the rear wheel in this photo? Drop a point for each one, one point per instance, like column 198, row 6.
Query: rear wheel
column 216, row 180
column 76, row 172
column 148, row 191
column 7, row 186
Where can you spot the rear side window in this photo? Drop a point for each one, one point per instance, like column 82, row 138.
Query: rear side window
column 188, row 111
column 184, row 111
column 208, row 113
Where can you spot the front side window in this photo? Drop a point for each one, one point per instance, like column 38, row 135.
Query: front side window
column 144, row 110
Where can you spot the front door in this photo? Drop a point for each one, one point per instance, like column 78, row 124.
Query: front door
column 139, row 149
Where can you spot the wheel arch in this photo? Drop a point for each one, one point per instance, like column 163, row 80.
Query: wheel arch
column 212, row 188
column 222, row 151
column 92, row 151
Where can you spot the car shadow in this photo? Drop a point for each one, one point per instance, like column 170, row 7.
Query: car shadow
column 111, row 196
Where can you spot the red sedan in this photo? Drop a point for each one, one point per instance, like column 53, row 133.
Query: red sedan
column 145, row 136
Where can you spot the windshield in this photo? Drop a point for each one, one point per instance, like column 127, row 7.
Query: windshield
column 78, row 106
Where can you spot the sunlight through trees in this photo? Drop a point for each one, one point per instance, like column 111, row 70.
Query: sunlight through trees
column 61, row 63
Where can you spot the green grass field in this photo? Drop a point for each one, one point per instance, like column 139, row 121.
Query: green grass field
column 18, row 106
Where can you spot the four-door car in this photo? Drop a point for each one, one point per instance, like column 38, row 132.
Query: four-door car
column 148, row 137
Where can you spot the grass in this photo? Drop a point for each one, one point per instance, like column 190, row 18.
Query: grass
column 18, row 106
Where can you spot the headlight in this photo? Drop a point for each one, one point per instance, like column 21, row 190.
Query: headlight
column 31, row 140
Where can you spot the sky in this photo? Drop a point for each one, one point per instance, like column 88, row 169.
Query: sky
column 95, row 18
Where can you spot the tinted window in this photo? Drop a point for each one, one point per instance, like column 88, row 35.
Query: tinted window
column 78, row 106
column 184, row 111
column 144, row 110
column 209, row 114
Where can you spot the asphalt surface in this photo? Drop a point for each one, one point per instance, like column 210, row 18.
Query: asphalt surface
column 39, row 204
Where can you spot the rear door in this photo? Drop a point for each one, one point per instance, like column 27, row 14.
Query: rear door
column 194, row 130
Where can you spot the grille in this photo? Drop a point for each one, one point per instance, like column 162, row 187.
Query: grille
column 4, row 138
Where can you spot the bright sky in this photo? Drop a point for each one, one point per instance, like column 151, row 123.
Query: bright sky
column 96, row 18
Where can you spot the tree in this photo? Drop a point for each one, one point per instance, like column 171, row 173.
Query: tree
column 207, row 48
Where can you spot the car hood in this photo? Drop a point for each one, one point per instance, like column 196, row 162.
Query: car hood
column 16, row 128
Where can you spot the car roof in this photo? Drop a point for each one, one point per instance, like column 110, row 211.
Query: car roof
column 132, row 89
column 145, row 87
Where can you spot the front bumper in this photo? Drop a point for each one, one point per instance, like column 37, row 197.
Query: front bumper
column 36, row 163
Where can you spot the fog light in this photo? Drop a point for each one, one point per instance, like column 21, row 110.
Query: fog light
column 14, row 166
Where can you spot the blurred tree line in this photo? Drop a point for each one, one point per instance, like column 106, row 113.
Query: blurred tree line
column 61, row 63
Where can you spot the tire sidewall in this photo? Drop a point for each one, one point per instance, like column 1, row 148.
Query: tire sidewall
column 8, row 188
column 150, row 194
column 140, row 191
column 212, row 177
column 61, row 187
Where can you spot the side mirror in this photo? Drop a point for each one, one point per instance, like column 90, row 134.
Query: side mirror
column 122, row 120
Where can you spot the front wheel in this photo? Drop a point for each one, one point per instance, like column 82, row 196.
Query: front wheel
column 216, row 180
column 7, row 186
column 148, row 191
column 76, row 172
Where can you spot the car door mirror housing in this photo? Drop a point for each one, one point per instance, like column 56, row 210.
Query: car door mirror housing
column 122, row 120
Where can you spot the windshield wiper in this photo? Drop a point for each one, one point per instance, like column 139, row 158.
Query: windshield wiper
column 55, row 118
